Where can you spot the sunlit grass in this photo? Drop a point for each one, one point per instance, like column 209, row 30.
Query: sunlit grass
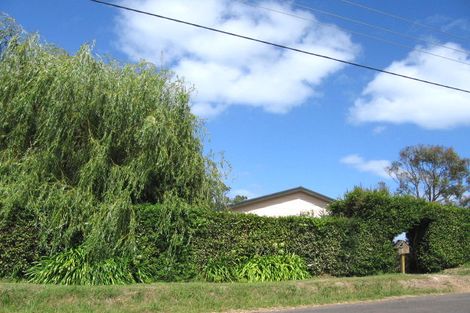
column 210, row 297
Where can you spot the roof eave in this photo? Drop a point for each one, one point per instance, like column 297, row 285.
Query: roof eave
column 282, row 193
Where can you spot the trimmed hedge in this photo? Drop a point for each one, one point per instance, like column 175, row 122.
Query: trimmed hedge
column 164, row 239
column 355, row 240
column 391, row 215
column 446, row 243
column 19, row 246
column 336, row 246
column 330, row 245
column 439, row 235
column 175, row 242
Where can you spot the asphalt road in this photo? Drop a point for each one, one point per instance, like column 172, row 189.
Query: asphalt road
column 455, row 303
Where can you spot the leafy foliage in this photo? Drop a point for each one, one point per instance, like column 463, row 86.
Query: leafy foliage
column 83, row 140
column 222, row 270
column 390, row 214
column 217, row 243
column 8, row 29
column 446, row 242
column 18, row 245
column 177, row 242
column 237, row 199
column 273, row 268
column 278, row 267
column 72, row 267
column 434, row 173
column 438, row 234
column 164, row 238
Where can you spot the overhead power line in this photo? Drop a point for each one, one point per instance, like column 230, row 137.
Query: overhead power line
column 283, row 46
column 373, row 26
column 390, row 42
column 398, row 17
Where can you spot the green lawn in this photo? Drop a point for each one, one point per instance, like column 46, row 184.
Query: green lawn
column 213, row 297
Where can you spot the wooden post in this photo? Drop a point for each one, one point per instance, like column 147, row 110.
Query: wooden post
column 402, row 249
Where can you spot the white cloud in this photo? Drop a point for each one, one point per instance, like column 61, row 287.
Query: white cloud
column 396, row 100
column 376, row 167
column 229, row 71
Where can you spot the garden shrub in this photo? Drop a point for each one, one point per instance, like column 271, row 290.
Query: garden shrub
column 19, row 246
column 286, row 266
column 221, row 270
column 273, row 268
column 72, row 267
column 446, row 242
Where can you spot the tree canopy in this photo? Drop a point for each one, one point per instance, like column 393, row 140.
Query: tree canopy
column 83, row 140
column 433, row 173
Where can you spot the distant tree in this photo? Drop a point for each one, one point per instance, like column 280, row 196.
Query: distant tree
column 382, row 186
column 465, row 202
column 433, row 173
column 238, row 199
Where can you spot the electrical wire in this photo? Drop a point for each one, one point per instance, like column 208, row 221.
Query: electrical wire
column 398, row 17
column 282, row 46
column 394, row 43
column 384, row 29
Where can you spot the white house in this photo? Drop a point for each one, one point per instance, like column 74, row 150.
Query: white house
column 296, row 201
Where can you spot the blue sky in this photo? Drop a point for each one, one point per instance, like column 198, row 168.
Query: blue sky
column 283, row 120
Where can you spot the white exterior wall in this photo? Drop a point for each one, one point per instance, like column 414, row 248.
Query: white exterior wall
column 288, row 205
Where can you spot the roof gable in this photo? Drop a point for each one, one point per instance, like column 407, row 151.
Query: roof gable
column 282, row 194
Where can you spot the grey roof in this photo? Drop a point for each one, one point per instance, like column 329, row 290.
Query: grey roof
column 283, row 193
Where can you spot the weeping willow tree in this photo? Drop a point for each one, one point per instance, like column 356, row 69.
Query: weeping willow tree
column 82, row 141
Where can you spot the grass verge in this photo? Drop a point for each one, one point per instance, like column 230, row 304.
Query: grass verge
column 213, row 297
column 463, row 270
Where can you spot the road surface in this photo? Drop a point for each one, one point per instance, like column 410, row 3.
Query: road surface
column 455, row 303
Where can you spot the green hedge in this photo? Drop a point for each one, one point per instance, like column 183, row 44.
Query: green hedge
column 390, row 214
column 439, row 234
column 164, row 239
column 195, row 238
column 355, row 240
column 18, row 245
column 446, row 243
column 175, row 242
column 336, row 246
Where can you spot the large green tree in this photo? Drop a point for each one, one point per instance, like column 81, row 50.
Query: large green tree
column 433, row 173
column 83, row 140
